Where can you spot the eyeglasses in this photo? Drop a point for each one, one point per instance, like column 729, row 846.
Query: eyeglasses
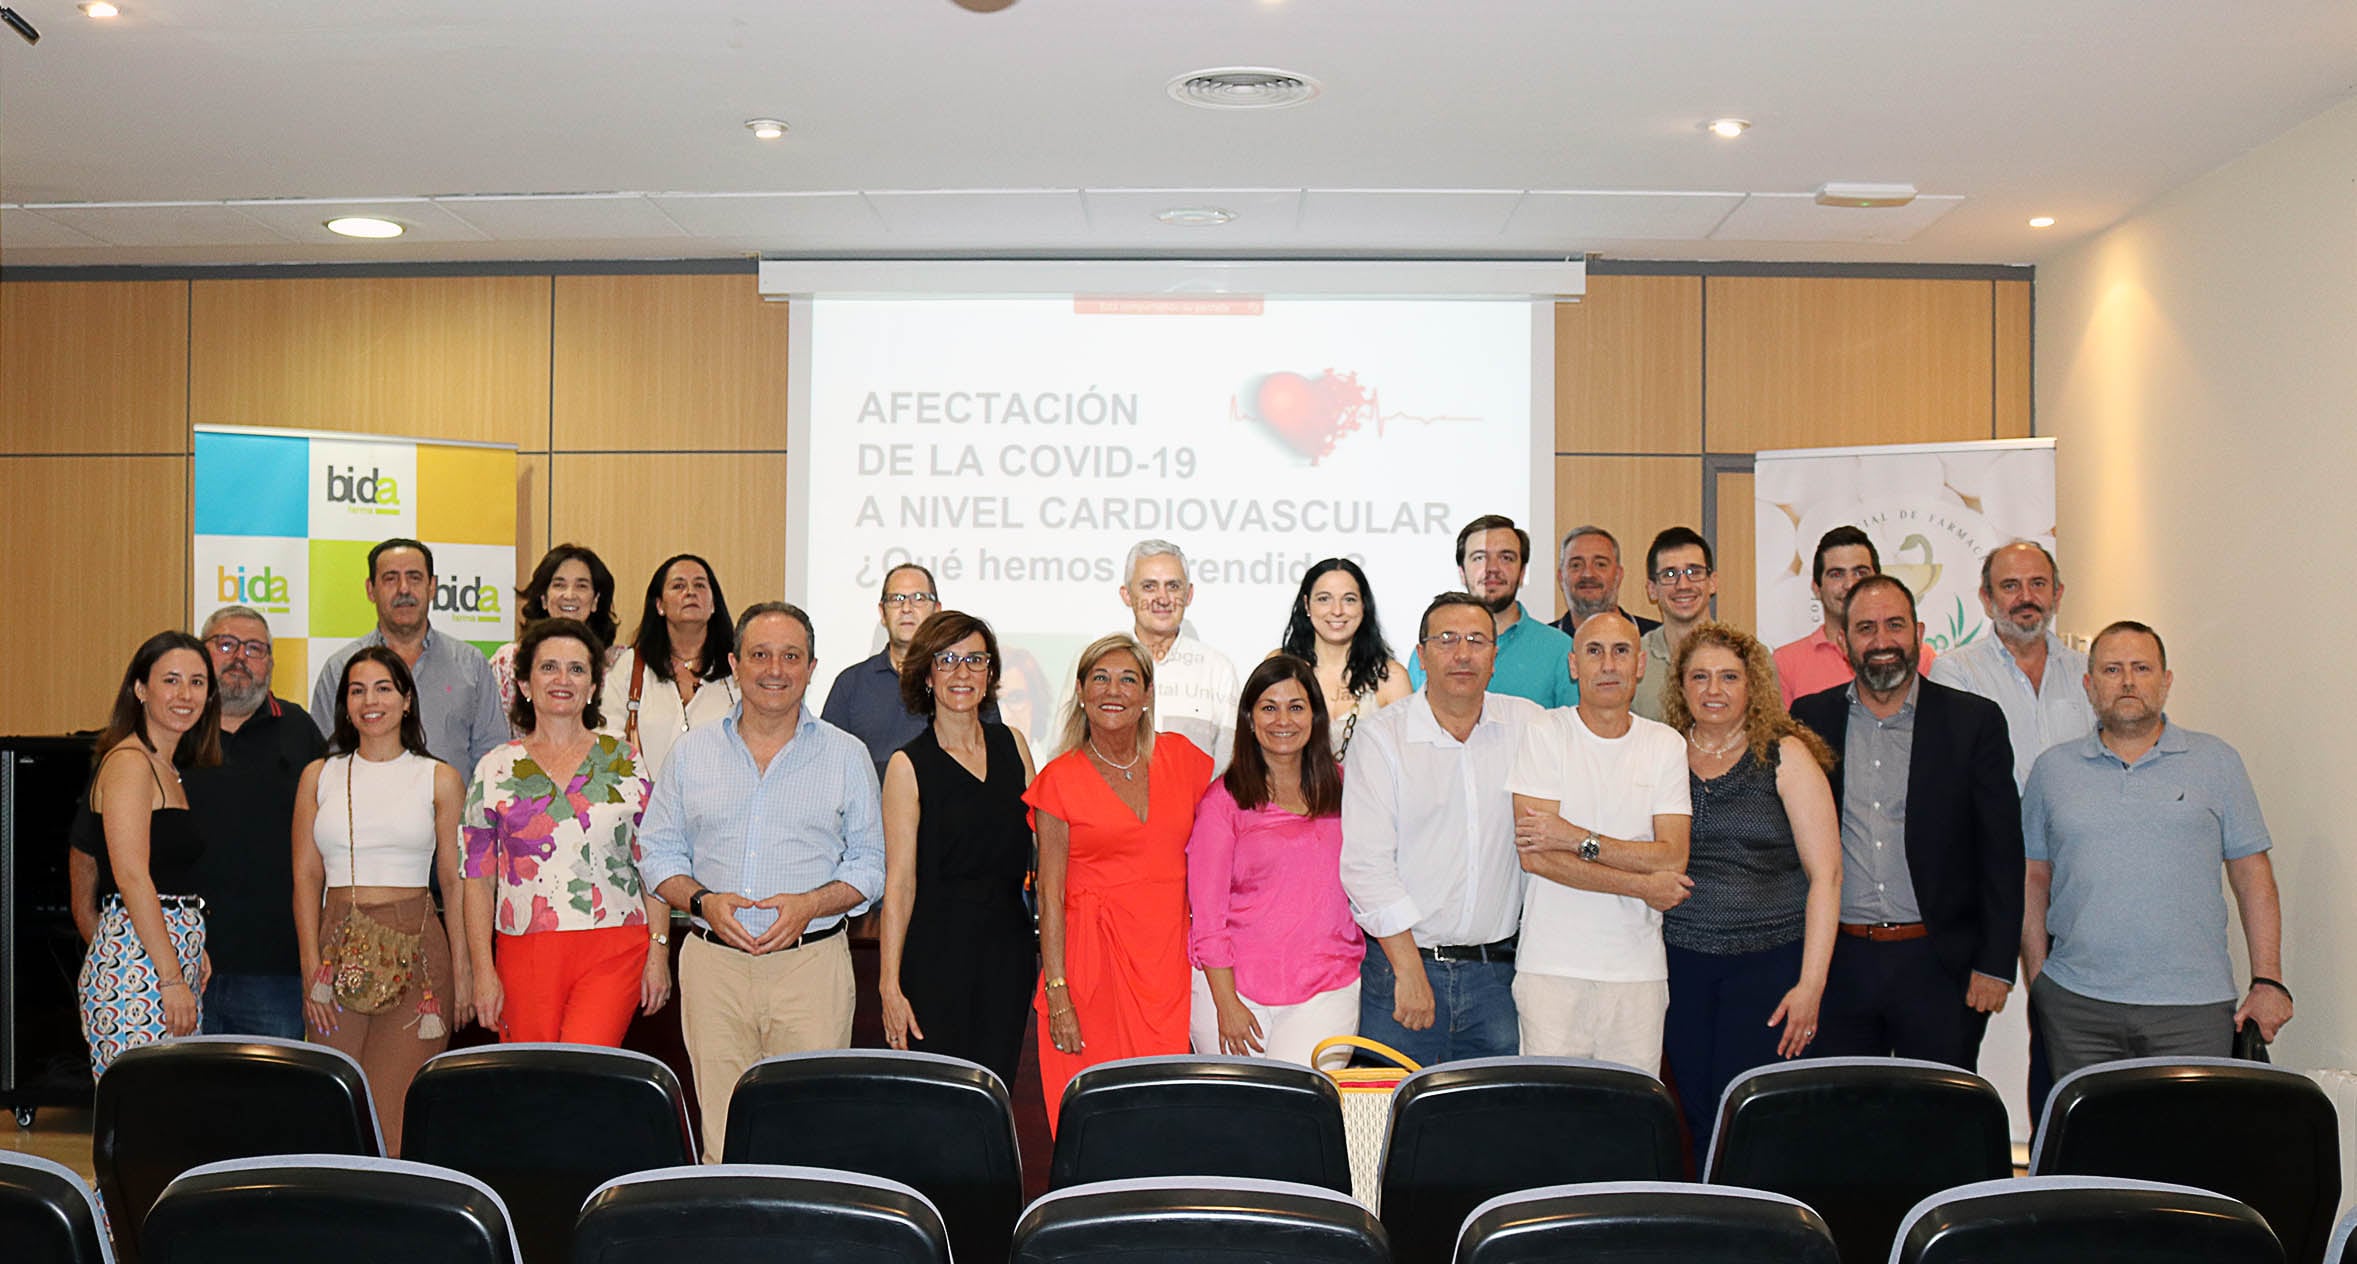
column 949, row 660
column 1451, row 640
column 1692, row 573
column 899, row 600
column 230, row 647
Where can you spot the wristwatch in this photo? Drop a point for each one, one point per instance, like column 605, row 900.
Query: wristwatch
column 1591, row 847
column 695, row 903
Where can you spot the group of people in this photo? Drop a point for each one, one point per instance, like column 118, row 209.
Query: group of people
column 1608, row 837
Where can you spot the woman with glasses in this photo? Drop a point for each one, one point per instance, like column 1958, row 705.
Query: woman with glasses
column 1333, row 626
column 571, row 582
column 956, row 963
column 674, row 676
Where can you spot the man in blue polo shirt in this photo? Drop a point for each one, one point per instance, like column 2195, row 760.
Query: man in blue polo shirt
column 1534, row 658
column 2124, row 831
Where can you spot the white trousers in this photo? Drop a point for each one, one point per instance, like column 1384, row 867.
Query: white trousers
column 1583, row 1018
column 1287, row 1032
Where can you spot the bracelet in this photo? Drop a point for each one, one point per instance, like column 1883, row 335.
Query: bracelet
column 184, row 983
column 2260, row 980
column 1058, row 982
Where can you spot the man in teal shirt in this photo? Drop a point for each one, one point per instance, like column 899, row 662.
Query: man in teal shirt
column 1534, row 658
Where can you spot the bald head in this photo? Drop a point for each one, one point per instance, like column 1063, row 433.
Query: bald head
column 1607, row 662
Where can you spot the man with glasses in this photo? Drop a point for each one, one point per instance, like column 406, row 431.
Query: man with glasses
column 1533, row 659
column 1588, row 568
column 1820, row 661
column 1428, row 855
column 865, row 700
column 1681, row 579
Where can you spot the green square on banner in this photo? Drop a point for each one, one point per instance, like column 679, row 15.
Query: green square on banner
column 339, row 588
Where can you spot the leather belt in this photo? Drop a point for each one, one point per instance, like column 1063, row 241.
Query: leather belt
column 812, row 937
column 1886, row 932
column 1501, row 950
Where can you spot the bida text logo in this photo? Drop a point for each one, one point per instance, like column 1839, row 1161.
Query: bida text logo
column 373, row 489
column 466, row 596
column 262, row 590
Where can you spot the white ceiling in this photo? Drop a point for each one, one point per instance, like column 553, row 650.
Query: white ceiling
column 225, row 131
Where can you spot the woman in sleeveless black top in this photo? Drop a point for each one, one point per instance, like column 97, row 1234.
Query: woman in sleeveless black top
column 958, row 958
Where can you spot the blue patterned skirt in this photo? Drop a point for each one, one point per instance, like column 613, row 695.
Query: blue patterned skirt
column 122, row 1004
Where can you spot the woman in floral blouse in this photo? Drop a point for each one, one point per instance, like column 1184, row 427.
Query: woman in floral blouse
column 552, row 864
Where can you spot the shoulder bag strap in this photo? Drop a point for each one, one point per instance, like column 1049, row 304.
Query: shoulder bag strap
column 638, row 684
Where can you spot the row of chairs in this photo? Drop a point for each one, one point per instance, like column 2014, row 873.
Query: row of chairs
column 361, row 1210
column 1861, row 1141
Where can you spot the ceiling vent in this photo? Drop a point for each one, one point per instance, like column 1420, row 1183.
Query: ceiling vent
column 1243, row 88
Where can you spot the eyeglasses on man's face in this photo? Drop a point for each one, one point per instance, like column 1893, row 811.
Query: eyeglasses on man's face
column 231, row 647
column 1451, row 640
column 903, row 600
column 1691, row 572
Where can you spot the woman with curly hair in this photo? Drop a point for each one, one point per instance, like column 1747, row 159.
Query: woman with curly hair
column 1749, row 952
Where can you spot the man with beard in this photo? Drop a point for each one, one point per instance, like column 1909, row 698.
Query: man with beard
column 1931, row 855
column 865, row 700
column 1533, row 658
column 2024, row 668
column 2125, row 830
column 245, row 808
column 1588, row 568
column 457, row 699
column 1818, row 661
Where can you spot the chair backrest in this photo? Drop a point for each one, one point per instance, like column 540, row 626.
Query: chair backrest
column 2263, row 1135
column 2343, row 1247
column 942, row 1126
column 2071, row 1219
column 1645, row 1220
column 289, row 1208
column 746, row 1213
column 164, row 1108
column 47, row 1215
column 1182, row 1220
column 1463, row 1133
column 1860, row 1140
column 545, row 1125
column 1200, row 1116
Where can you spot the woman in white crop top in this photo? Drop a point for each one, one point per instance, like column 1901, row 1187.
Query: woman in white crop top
column 372, row 821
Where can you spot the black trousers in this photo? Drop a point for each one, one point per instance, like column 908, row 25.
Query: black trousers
column 1894, row 998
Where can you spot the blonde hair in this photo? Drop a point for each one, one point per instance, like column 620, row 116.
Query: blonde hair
column 1765, row 721
column 1075, row 727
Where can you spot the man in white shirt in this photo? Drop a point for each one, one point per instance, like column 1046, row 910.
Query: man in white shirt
column 1428, row 848
column 1602, row 817
column 1195, row 685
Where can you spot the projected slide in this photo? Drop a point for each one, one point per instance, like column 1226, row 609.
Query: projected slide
column 1019, row 447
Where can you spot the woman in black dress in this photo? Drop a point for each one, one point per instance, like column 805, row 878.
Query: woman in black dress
column 958, row 962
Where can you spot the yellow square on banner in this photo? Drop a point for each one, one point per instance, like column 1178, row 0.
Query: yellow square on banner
column 466, row 495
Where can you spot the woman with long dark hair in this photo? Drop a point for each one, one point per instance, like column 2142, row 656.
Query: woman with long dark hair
column 674, row 676
column 1333, row 628
column 1273, row 936
column 147, row 965
column 571, row 582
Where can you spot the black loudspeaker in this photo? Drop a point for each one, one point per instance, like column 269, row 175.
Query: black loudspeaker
column 43, row 1058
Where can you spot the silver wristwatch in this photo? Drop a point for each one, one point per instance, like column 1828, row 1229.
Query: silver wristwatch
column 1591, row 847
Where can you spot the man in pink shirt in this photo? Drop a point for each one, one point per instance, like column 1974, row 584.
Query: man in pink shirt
column 1821, row 660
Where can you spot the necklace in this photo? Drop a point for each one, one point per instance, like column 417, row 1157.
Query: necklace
column 1123, row 769
column 1741, row 736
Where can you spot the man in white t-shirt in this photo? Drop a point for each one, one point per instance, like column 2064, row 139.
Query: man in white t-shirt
column 1602, row 816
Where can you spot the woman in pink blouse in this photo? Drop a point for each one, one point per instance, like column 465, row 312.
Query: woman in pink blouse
column 551, row 836
column 1272, row 934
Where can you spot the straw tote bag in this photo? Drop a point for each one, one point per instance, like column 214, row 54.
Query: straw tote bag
column 1366, row 1105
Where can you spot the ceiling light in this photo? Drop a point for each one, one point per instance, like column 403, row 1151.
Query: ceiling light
column 1859, row 193
column 364, row 226
column 1243, row 88
column 766, row 128
column 1195, row 216
column 1728, row 128
column 101, row 9
column 2041, row 221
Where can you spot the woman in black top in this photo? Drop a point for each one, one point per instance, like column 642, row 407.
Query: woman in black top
column 958, row 960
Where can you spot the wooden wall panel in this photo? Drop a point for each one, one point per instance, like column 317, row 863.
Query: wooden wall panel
column 636, row 510
column 1628, row 366
column 2013, row 360
column 94, row 366
column 1821, row 361
column 1736, row 547
column 532, row 509
column 668, row 363
column 429, row 357
column 1633, row 497
column 97, row 561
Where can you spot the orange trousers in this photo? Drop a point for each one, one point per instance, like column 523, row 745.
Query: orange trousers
column 577, row 986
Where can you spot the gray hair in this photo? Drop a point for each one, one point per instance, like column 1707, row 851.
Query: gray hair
column 786, row 608
column 1144, row 549
column 1563, row 550
column 1989, row 560
column 225, row 613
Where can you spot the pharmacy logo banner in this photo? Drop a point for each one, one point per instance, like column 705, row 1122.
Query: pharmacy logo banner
column 284, row 520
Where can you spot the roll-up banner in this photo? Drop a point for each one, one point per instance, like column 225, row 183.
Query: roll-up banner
column 284, row 519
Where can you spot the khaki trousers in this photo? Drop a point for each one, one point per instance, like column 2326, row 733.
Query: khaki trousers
column 736, row 1009
column 1587, row 1018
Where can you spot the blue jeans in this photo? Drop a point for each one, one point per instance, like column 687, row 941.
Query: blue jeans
column 254, row 1005
column 1472, row 1009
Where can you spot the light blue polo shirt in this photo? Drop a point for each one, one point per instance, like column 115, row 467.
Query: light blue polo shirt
column 1534, row 662
column 2138, row 914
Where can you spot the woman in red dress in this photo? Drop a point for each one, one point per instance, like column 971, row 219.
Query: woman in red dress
column 1113, row 813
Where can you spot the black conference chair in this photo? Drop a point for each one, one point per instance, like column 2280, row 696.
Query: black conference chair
column 1200, row 1116
column 754, row 1213
column 47, row 1215
column 1861, row 1140
column 1182, row 1220
column 321, row 1208
column 1463, row 1133
column 2257, row 1133
column 942, row 1126
column 545, row 1125
column 2073, row 1219
column 165, row 1108
column 1644, row 1221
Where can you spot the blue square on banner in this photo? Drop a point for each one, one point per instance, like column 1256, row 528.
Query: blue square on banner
column 252, row 484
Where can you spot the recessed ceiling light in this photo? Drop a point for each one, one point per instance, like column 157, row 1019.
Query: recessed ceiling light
column 1728, row 128
column 2041, row 221
column 364, row 226
column 1194, row 216
column 100, row 9
column 1243, row 88
column 766, row 128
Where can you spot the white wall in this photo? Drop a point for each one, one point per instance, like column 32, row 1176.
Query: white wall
column 2198, row 363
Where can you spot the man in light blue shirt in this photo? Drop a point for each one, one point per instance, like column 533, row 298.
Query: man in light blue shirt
column 767, row 829
column 457, row 699
column 1533, row 658
column 2023, row 666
